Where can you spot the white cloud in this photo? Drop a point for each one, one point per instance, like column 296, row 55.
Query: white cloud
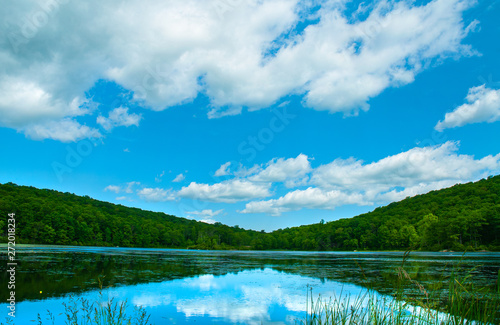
column 311, row 198
column 65, row 130
column 24, row 102
column 113, row 188
column 206, row 215
column 393, row 178
column 167, row 53
column 387, row 49
column 291, row 171
column 118, row 117
column 156, row 194
column 223, row 170
column 343, row 182
column 118, row 189
column 228, row 191
column 219, row 112
column 179, row 178
column 483, row 105
column 244, row 172
column 406, row 169
column 399, row 194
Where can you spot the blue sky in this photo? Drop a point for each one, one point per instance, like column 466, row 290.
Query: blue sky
column 262, row 114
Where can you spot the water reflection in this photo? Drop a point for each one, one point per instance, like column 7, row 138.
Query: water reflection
column 248, row 297
column 180, row 286
column 61, row 270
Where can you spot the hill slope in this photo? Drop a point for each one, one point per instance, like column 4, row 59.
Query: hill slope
column 51, row 217
column 465, row 216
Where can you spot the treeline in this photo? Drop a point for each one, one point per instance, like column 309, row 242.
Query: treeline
column 463, row 217
column 52, row 217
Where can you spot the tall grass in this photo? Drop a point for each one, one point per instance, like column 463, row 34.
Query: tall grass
column 81, row 311
column 461, row 304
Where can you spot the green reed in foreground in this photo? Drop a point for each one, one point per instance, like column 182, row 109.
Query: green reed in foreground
column 84, row 312
column 81, row 311
column 460, row 304
column 369, row 308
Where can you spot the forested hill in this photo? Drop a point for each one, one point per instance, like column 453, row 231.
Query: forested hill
column 52, row 217
column 465, row 216
column 462, row 217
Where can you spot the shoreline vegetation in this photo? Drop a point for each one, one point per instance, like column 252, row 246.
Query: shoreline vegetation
column 465, row 217
column 461, row 303
column 4, row 244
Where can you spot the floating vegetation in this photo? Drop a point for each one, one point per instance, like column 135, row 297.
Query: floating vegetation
column 464, row 304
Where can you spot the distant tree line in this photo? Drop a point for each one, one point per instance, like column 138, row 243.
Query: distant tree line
column 463, row 217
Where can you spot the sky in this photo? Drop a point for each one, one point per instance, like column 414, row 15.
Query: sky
column 264, row 114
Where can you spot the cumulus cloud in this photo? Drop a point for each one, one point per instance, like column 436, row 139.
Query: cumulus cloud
column 406, row 169
column 311, row 198
column 351, row 181
column 166, row 53
column 483, row 105
column 156, row 194
column 113, row 188
column 230, row 191
column 118, row 117
column 291, row 171
column 206, row 215
column 387, row 49
column 65, row 130
column 340, row 182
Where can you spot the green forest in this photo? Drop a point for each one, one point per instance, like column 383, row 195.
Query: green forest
column 462, row 217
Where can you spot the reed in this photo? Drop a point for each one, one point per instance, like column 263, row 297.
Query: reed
column 461, row 304
column 81, row 311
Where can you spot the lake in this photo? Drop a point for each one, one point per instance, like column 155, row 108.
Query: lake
column 219, row 287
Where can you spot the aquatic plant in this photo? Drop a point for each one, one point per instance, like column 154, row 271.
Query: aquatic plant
column 81, row 311
column 461, row 304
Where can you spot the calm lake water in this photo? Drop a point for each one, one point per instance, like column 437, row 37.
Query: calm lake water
column 218, row 287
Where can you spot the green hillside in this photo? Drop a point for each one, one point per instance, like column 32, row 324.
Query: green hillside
column 462, row 217
column 465, row 216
